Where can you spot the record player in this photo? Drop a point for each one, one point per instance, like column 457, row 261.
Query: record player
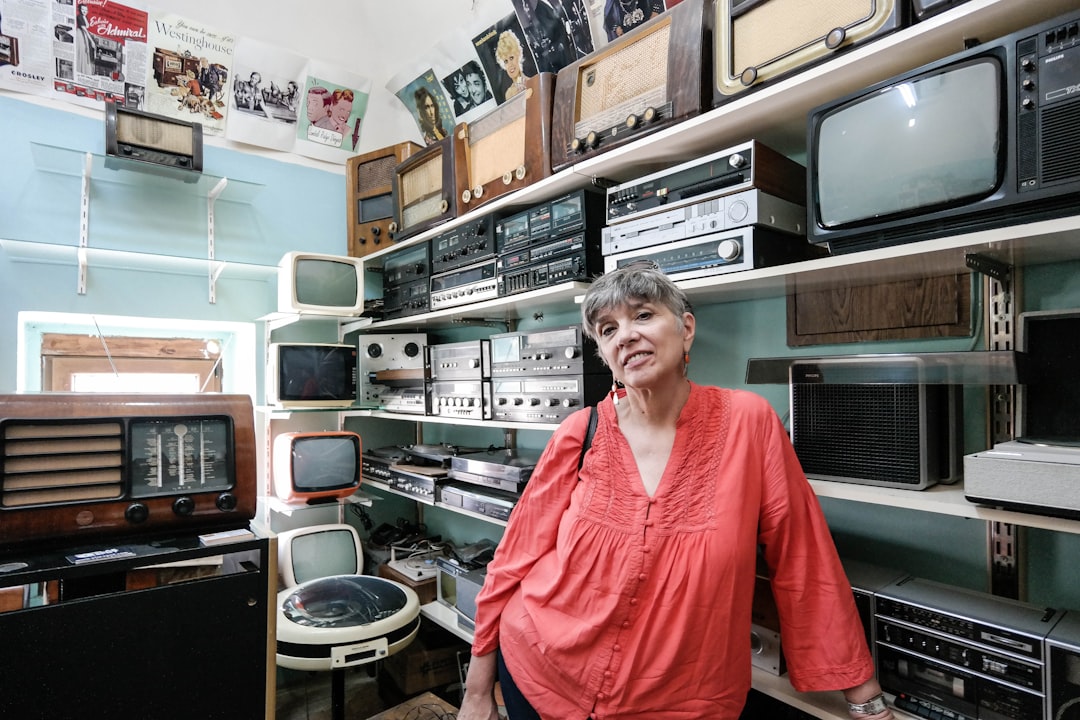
column 504, row 469
column 438, row 454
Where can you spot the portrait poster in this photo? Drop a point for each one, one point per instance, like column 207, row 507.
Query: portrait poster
column 423, row 96
column 26, row 45
column 466, row 85
column 558, row 32
column 191, row 71
column 505, row 56
column 331, row 132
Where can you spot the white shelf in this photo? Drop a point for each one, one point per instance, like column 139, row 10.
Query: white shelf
column 824, row 705
column 445, row 618
column 289, row 509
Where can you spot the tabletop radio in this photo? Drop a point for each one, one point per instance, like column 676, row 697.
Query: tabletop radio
column 369, row 201
column 423, row 190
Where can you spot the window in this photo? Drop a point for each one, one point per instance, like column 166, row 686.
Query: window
column 84, row 363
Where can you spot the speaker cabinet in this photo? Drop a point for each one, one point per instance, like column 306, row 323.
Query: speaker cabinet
column 857, row 420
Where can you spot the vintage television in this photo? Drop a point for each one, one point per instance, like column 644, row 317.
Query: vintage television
column 657, row 74
column 985, row 138
column 81, row 465
column 369, row 201
column 423, row 190
column 317, row 284
column 758, row 41
column 507, row 149
column 313, row 467
column 156, row 140
column 311, row 375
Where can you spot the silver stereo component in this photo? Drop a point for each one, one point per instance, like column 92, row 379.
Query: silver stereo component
column 467, row 285
column 463, row 399
column 550, row 351
column 389, row 361
column 546, row 398
column 765, row 650
column 483, row 501
column 467, row 360
column 405, row 400
column 1025, row 476
column 749, row 207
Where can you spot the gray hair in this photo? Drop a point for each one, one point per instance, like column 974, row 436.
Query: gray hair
column 638, row 281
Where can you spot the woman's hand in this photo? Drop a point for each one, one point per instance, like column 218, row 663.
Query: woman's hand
column 479, row 701
column 478, row 706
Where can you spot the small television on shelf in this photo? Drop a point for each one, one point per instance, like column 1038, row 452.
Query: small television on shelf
column 311, row 375
column 319, row 551
column 314, row 467
column 985, row 138
column 319, row 284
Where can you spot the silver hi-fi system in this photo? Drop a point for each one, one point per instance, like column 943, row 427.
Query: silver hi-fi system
column 392, row 371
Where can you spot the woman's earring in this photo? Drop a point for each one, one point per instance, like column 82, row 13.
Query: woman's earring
column 686, row 358
column 615, row 385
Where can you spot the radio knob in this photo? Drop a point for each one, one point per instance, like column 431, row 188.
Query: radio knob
column 592, row 139
column 534, row 401
column 543, row 356
column 518, row 401
column 1028, row 104
column 729, row 249
column 632, row 121
column 226, row 502
column 478, row 192
column 183, row 506
column 748, row 76
column 508, row 177
column 474, row 363
column 1027, row 65
column 444, row 206
column 577, row 145
column 392, row 228
column 570, row 353
column 569, row 402
column 650, row 114
column 136, row 513
column 519, row 172
column 737, row 160
column 551, row 402
column 1028, row 84
column 501, row 401
column 466, row 196
column 835, row 38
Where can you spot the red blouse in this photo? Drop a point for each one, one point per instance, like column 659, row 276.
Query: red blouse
column 610, row 603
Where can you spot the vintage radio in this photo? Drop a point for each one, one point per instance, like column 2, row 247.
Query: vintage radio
column 581, row 210
column 462, row 399
column 749, row 207
column 369, row 196
column 735, row 250
column 547, row 351
column 760, row 40
column 423, row 190
column 467, row 360
column 389, row 361
column 80, row 465
column 153, row 139
column 855, row 419
column 945, row 651
column 1063, row 669
column 546, row 398
column 407, row 265
column 653, row 76
column 489, row 502
column 406, row 300
column 749, row 165
column 582, row 264
column 508, row 148
column 465, row 285
column 464, row 245
column 9, row 50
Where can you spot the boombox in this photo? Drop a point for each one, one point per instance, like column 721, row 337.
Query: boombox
column 369, row 201
column 79, row 465
column 423, row 190
column 759, row 40
column 867, row 420
column 153, row 139
column 506, row 149
column 389, row 361
column 654, row 76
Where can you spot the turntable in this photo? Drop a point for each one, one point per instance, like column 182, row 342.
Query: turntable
column 506, row 469
column 438, row 454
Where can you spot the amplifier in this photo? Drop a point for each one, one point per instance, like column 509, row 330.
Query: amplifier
column 760, row 40
column 466, row 285
column 467, row 360
column 418, row 481
column 389, row 361
column 423, row 190
column 1025, row 476
column 581, row 210
column 405, row 400
column 405, row 300
column 407, row 265
column 488, row 502
column 462, row 399
column 950, row 652
column 546, row 398
column 741, row 167
column 375, row 468
column 464, row 245
column 369, row 196
column 657, row 74
column 749, row 207
column 507, row 149
column 77, row 465
column 718, row 253
column 582, row 264
column 870, row 430
column 552, row 351
column 1063, row 669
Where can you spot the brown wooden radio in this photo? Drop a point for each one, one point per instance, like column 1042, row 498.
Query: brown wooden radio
column 9, row 50
column 423, row 191
column 759, row 40
column 369, row 202
column 657, row 74
column 506, row 149
column 76, row 465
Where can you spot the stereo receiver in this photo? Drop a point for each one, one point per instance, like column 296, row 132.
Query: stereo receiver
column 369, row 200
column 406, row 265
column 464, row 245
column 464, row 286
column 581, row 264
column 546, row 398
column 76, row 465
column 405, row 300
column 550, row 351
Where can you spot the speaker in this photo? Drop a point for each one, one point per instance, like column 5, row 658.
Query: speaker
column 1048, row 397
column 153, row 139
column 759, row 40
column 857, row 420
column 1063, row 669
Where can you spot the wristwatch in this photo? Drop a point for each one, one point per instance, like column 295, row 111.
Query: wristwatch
column 873, row 706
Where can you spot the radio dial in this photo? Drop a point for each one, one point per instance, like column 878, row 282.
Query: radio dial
column 570, row 353
column 729, row 249
column 737, row 161
column 136, row 513
column 183, row 506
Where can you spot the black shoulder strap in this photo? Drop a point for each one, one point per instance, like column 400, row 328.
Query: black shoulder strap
column 587, row 442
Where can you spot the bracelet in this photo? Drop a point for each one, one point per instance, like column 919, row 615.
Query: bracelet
column 873, row 706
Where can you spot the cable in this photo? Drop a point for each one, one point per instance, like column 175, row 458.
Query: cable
column 429, row 711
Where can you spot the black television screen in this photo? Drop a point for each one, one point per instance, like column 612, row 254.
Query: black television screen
column 313, row 374
column 930, row 142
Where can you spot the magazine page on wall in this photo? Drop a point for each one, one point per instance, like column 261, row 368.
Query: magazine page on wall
column 264, row 97
column 420, row 91
column 335, row 102
column 190, row 71
column 557, row 31
column 506, row 57
column 26, row 47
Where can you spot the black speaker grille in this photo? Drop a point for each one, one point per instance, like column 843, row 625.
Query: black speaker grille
column 1060, row 149
column 861, row 432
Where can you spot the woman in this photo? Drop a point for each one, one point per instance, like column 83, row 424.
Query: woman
column 508, row 55
column 624, row 589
